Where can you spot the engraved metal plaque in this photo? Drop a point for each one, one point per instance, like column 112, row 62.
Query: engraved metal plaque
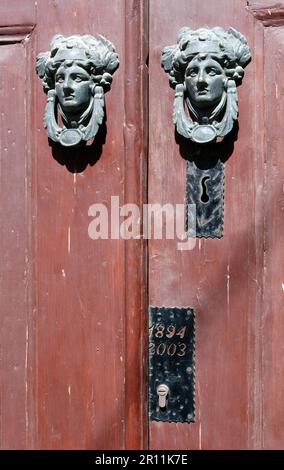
column 171, row 364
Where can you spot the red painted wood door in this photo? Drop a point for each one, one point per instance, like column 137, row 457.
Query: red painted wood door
column 67, row 300
column 73, row 310
column 235, row 284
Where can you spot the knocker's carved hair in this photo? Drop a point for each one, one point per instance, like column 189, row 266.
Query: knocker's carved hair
column 98, row 58
column 229, row 48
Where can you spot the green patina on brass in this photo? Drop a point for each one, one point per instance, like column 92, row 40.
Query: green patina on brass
column 76, row 73
column 205, row 67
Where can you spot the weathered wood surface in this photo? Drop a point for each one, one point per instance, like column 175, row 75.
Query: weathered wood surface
column 234, row 284
column 67, row 300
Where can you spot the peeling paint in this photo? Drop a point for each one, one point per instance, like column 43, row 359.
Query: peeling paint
column 74, row 181
column 228, row 286
column 26, row 378
column 69, row 239
column 200, row 437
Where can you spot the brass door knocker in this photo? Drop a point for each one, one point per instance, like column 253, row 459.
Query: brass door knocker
column 76, row 73
column 205, row 67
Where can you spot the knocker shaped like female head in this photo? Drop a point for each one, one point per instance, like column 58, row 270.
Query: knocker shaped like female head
column 75, row 74
column 205, row 67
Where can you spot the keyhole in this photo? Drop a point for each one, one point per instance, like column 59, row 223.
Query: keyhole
column 162, row 392
column 204, row 196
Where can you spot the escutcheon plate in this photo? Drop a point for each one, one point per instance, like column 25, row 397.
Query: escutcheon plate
column 171, row 362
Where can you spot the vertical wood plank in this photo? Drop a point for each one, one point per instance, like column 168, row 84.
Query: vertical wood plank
column 219, row 278
column 16, row 256
column 85, row 305
column 273, row 327
column 135, row 141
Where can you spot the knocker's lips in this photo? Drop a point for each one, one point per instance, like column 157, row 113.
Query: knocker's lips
column 69, row 98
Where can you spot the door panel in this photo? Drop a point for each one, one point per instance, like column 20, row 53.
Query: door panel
column 273, row 323
column 64, row 310
column 15, row 215
column 233, row 283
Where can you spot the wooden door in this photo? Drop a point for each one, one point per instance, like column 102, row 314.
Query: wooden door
column 73, row 311
column 235, row 284
column 67, row 300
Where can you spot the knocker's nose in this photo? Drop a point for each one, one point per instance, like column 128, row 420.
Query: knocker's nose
column 67, row 85
column 201, row 78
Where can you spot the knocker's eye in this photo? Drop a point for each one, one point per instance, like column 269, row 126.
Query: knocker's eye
column 59, row 79
column 78, row 79
column 192, row 73
column 212, row 72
